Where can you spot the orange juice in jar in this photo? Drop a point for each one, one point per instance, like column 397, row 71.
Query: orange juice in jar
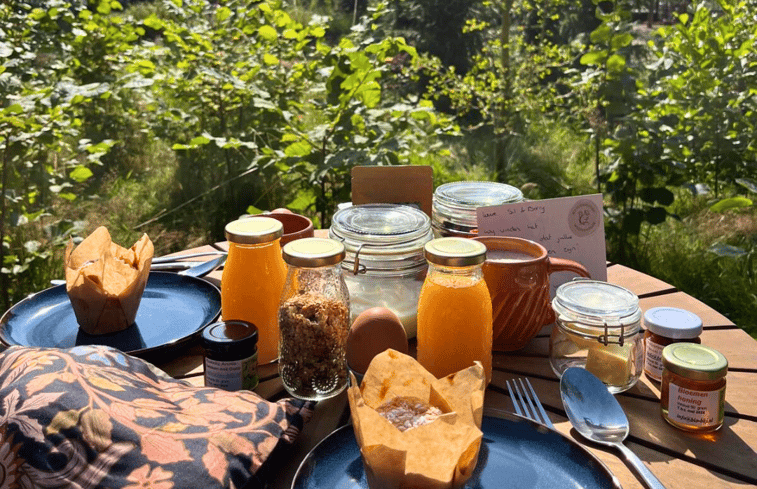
column 454, row 308
column 253, row 279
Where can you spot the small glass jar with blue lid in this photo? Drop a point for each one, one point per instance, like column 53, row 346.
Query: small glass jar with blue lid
column 598, row 327
column 454, row 205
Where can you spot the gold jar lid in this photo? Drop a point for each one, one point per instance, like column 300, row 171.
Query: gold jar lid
column 254, row 231
column 313, row 252
column 694, row 361
column 455, row 252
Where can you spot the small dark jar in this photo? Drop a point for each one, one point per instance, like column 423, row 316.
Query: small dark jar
column 231, row 355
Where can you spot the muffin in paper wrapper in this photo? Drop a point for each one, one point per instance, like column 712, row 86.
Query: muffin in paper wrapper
column 437, row 454
column 105, row 281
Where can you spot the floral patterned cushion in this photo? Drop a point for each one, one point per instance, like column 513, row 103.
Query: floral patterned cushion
column 95, row 417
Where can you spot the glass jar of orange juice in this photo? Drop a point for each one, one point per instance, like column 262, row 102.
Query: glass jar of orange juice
column 253, row 279
column 454, row 308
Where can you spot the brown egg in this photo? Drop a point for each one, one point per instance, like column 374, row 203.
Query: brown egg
column 374, row 330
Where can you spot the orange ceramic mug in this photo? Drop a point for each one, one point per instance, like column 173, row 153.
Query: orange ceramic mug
column 517, row 272
column 296, row 226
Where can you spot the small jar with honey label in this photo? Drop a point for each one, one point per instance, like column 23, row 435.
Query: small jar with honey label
column 693, row 387
column 665, row 326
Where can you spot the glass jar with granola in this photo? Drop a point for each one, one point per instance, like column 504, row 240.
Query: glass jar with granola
column 314, row 319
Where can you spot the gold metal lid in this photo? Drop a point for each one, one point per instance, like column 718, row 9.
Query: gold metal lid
column 313, row 252
column 694, row 361
column 455, row 252
column 254, row 231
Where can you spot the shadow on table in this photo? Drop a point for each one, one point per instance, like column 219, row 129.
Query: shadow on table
column 736, row 465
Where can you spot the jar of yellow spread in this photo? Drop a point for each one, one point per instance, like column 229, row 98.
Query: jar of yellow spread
column 693, row 387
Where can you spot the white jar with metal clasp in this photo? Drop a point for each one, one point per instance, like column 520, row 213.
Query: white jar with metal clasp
column 598, row 327
column 384, row 265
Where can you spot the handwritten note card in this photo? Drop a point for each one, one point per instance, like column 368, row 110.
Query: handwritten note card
column 569, row 227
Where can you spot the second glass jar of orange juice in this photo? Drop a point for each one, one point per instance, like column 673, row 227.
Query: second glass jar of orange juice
column 253, row 279
column 454, row 308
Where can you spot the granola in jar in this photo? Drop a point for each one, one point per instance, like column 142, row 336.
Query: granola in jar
column 314, row 320
column 313, row 332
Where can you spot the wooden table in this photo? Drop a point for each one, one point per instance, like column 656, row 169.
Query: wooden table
column 679, row 459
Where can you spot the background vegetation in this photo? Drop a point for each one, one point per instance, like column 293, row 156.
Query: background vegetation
column 173, row 117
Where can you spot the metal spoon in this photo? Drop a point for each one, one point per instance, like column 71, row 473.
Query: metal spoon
column 598, row 416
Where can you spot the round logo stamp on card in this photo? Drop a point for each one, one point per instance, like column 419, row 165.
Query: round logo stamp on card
column 584, row 218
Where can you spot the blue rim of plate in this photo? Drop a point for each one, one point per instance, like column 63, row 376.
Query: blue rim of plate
column 515, row 452
column 173, row 310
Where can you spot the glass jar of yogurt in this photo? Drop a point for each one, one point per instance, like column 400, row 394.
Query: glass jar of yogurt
column 385, row 265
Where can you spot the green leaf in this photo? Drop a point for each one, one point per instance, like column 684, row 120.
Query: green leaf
column 616, row 63
column 81, row 174
column 153, row 22
column 199, row 141
column 270, row 59
column 14, row 109
column 253, row 211
column 268, row 33
column 594, row 58
column 732, row 203
column 655, row 215
column 300, row 148
column 223, row 13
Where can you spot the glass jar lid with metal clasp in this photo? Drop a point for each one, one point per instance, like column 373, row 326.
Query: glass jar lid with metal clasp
column 384, row 265
column 598, row 327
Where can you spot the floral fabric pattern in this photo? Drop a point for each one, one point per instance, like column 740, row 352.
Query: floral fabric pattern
column 93, row 416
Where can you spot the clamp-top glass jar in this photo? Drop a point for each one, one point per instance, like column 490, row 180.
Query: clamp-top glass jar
column 314, row 320
column 384, row 264
column 454, row 205
column 598, row 327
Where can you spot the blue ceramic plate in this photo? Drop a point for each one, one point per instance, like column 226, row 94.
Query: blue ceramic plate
column 173, row 308
column 515, row 453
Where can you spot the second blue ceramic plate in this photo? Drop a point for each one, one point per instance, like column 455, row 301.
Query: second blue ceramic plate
column 514, row 453
column 173, row 309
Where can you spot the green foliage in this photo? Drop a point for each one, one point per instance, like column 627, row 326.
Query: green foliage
column 705, row 75
column 257, row 109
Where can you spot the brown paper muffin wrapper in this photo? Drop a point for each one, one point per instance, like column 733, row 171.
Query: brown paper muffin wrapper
column 441, row 454
column 105, row 281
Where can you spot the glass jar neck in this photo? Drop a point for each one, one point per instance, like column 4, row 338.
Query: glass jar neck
column 255, row 246
column 326, row 280
column 473, row 271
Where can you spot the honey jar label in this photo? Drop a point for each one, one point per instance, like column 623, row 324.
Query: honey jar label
column 696, row 408
column 653, row 360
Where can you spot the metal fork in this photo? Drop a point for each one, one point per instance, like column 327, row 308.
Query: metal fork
column 527, row 403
